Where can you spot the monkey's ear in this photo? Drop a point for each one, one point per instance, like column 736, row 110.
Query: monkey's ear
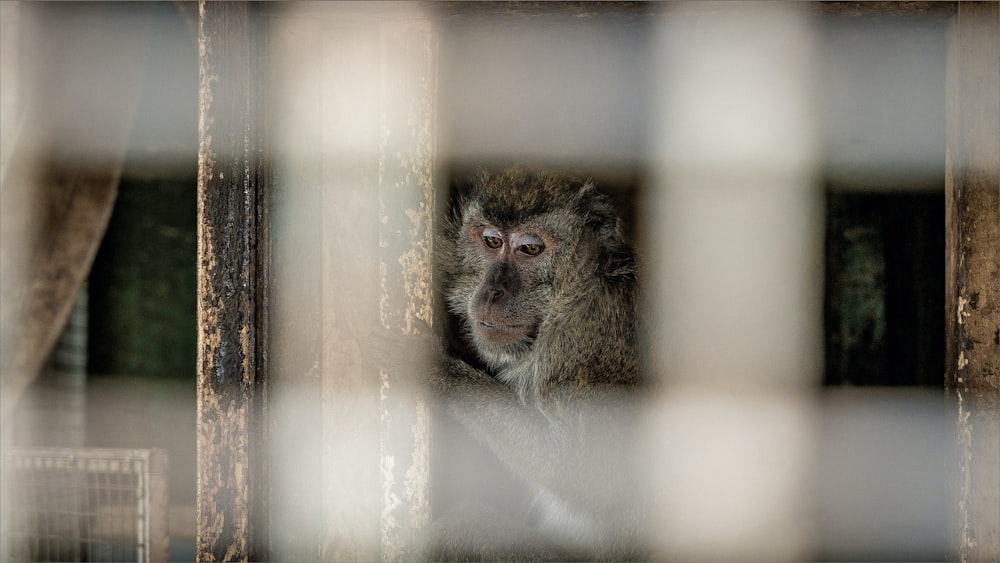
column 464, row 192
column 615, row 257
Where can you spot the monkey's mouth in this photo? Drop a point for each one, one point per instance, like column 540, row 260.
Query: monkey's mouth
column 503, row 333
column 497, row 326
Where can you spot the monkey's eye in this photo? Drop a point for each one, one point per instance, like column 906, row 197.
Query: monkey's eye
column 492, row 241
column 532, row 249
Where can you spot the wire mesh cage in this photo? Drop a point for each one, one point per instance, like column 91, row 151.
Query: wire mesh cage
column 84, row 504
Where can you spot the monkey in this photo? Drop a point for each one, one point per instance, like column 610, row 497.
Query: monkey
column 543, row 284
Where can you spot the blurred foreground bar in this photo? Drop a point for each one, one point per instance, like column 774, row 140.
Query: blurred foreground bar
column 737, row 219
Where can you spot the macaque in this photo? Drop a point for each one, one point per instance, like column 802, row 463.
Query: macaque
column 542, row 282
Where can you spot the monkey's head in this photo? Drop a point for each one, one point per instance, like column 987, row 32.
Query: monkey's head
column 524, row 252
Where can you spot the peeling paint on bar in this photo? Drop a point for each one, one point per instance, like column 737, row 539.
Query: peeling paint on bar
column 972, row 217
column 406, row 156
column 228, row 390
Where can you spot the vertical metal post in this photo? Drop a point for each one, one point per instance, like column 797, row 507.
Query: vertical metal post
column 406, row 213
column 230, row 203
column 972, row 301
column 353, row 211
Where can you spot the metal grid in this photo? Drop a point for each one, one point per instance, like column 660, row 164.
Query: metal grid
column 84, row 504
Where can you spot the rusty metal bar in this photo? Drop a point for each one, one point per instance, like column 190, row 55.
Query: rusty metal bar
column 231, row 205
column 972, row 300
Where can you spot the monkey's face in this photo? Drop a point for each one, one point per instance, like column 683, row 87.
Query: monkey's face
column 508, row 287
column 523, row 251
